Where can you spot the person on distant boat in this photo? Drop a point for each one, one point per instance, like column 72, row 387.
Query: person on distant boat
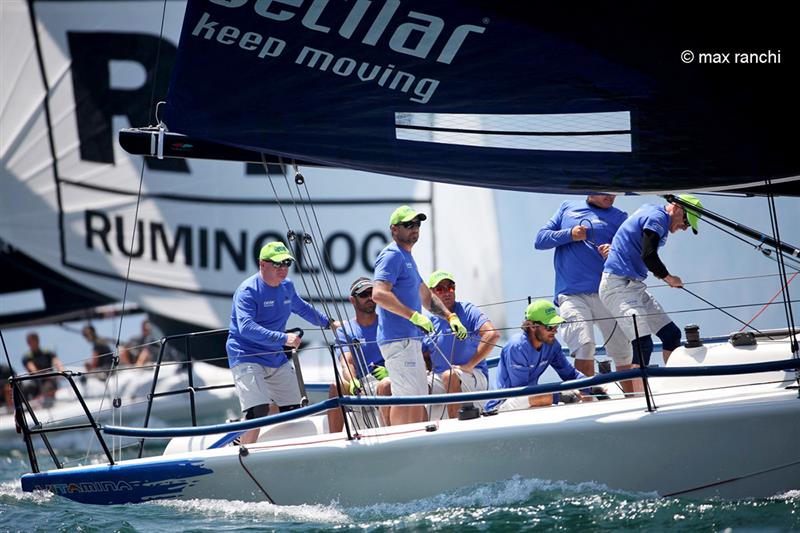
column 363, row 367
column 8, row 401
column 37, row 359
column 527, row 355
column 261, row 307
column 634, row 252
column 102, row 354
column 581, row 233
column 143, row 347
column 458, row 365
column 400, row 294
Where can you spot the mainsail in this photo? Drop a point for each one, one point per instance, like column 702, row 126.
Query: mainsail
column 551, row 97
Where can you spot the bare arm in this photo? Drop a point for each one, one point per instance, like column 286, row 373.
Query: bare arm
column 432, row 303
column 348, row 366
column 382, row 295
column 489, row 336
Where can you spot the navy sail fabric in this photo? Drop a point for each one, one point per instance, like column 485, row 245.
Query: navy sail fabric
column 549, row 97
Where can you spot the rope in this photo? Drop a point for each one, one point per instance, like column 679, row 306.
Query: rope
column 770, row 301
column 243, row 451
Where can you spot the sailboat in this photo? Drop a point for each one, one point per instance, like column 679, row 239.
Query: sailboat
column 503, row 97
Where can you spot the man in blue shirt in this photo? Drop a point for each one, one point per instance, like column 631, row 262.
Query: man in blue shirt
column 581, row 233
column 634, row 252
column 527, row 355
column 400, row 295
column 363, row 368
column 261, row 307
column 458, row 365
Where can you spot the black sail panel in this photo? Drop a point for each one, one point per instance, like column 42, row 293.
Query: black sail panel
column 549, row 97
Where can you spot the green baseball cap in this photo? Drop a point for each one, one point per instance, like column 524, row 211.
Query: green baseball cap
column 691, row 215
column 438, row 276
column 544, row 312
column 405, row 214
column 275, row 251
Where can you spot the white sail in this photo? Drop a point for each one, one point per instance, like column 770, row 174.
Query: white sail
column 200, row 223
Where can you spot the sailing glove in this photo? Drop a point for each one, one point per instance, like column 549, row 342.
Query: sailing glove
column 422, row 321
column 380, row 372
column 355, row 386
column 457, row 327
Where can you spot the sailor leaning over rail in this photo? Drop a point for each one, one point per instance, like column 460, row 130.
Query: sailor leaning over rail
column 581, row 232
column 261, row 307
column 363, row 367
column 458, row 365
column 400, row 294
column 527, row 355
column 634, row 252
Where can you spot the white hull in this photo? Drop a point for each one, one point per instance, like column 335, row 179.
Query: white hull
column 720, row 442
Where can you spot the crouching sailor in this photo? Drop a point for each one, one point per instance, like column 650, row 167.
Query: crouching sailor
column 527, row 355
column 634, row 251
column 261, row 307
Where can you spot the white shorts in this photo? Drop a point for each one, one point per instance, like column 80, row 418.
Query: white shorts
column 258, row 384
column 515, row 404
column 625, row 297
column 474, row 382
column 406, row 367
column 584, row 311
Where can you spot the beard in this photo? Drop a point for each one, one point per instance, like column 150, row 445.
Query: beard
column 543, row 336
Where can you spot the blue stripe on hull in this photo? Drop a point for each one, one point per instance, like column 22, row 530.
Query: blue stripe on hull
column 109, row 485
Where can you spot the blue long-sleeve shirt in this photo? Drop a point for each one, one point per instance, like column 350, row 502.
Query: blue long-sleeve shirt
column 258, row 320
column 522, row 365
column 578, row 264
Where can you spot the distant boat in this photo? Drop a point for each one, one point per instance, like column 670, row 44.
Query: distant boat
column 132, row 386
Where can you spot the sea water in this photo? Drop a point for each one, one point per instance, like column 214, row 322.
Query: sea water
column 510, row 505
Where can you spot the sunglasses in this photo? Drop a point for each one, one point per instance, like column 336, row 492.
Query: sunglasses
column 410, row 224
column 445, row 288
column 364, row 295
column 548, row 328
column 285, row 263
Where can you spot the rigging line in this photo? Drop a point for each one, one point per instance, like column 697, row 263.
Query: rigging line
column 450, row 377
column 300, row 180
column 314, row 220
column 243, row 452
column 314, row 278
column 158, row 61
column 319, row 229
column 115, row 359
column 732, row 479
column 758, row 247
column 782, row 268
column 770, row 301
column 722, row 310
column 290, row 232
